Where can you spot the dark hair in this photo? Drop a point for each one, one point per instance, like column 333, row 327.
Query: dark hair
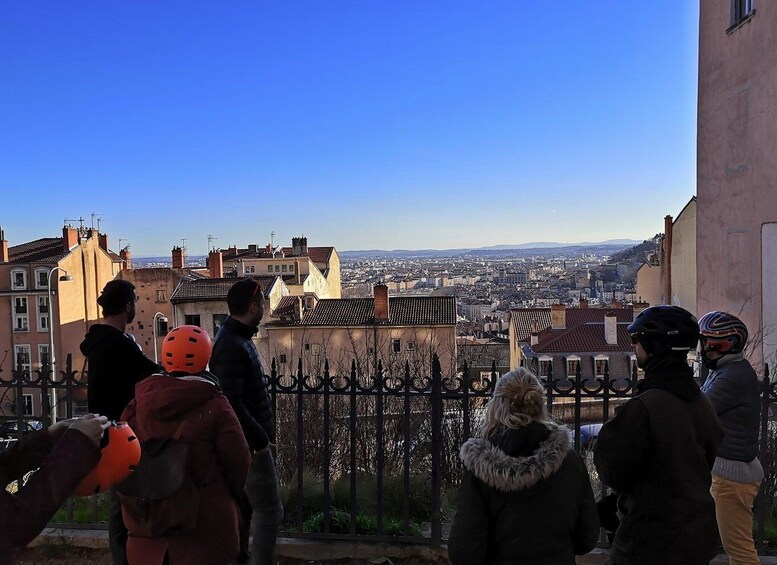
column 241, row 294
column 115, row 296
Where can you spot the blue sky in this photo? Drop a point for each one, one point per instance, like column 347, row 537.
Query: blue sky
column 364, row 124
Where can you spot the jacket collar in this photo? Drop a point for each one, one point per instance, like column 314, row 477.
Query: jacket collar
column 730, row 358
column 508, row 474
column 671, row 374
column 243, row 330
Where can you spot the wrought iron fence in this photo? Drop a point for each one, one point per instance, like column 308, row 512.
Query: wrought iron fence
column 374, row 457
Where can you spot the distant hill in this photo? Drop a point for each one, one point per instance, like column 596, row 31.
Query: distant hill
column 521, row 249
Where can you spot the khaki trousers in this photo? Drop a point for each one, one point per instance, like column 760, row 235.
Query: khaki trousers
column 734, row 511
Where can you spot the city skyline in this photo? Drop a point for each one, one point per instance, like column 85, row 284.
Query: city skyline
column 361, row 126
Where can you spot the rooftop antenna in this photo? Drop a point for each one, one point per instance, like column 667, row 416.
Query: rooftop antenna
column 211, row 239
column 272, row 240
column 120, row 240
column 183, row 244
column 97, row 216
column 67, row 222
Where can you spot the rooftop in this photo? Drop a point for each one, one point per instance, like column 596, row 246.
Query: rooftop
column 205, row 289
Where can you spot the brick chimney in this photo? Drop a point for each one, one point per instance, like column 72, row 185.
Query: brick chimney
column 296, row 246
column 69, row 237
column 583, row 302
column 611, row 328
column 179, row 260
column 215, row 264
column 3, row 247
column 303, row 242
column 666, row 260
column 558, row 317
column 638, row 307
column 232, row 250
column 126, row 258
column 381, row 302
column 104, row 241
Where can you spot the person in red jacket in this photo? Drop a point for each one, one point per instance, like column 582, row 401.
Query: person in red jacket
column 63, row 454
column 218, row 453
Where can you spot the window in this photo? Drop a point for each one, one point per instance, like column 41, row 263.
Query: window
column 284, row 268
column 191, row 319
column 41, row 278
column 741, row 10
column 269, row 268
column 573, row 366
column 283, row 358
column 277, row 268
column 27, row 404
column 218, row 321
column 22, row 357
column 43, row 355
column 546, row 367
column 601, row 365
column 43, row 313
column 20, row 316
column 161, row 296
column 410, row 346
column 396, row 346
column 307, row 347
column 18, row 279
column 162, row 328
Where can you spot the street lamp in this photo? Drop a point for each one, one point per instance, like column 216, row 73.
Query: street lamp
column 162, row 318
column 52, row 357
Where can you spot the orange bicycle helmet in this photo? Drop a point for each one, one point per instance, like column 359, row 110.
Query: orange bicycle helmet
column 119, row 456
column 186, row 349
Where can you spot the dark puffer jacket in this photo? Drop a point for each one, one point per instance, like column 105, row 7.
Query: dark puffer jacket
column 735, row 392
column 657, row 454
column 525, row 497
column 236, row 364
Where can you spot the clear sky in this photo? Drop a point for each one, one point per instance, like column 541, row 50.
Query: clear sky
column 363, row 124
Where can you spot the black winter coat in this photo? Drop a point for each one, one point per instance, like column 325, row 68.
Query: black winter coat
column 116, row 365
column 657, row 454
column 735, row 392
column 525, row 497
column 236, row 364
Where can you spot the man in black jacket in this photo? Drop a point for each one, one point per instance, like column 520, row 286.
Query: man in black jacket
column 733, row 388
column 236, row 363
column 115, row 365
column 657, row 451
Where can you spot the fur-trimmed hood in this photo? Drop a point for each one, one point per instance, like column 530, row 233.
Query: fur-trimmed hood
column 509, row 473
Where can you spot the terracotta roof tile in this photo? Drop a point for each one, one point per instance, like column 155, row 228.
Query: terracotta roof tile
column 521, row 318
column 44, row 250
column 584, row 338
column 403, row 311
column 203, row 290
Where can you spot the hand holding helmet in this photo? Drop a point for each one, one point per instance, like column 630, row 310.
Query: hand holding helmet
column 119, row 456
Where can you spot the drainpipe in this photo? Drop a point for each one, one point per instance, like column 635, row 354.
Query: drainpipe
column 667, row 260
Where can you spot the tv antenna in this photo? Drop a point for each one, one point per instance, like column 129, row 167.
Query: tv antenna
column 98, row 217
column 120, row 240
column 211, row 239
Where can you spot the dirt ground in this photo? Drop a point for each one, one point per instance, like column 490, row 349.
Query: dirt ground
column 68, row 555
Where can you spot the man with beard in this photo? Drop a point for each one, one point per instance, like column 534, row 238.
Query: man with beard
column 235, row 361
column 733, row 388
column 115, row 364
column 658, row 450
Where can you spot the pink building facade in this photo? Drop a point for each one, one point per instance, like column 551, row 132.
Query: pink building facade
column 736, row 175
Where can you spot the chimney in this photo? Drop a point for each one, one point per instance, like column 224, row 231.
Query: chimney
column 638, row 307
column 299, row 308
column 69, row 237
column 381, row 302
column 215, row 264
column 179, row 260
column 253, row 248
column 666, row 261
column 126, row 258
column 4, row 257
column 303, row 242
column 535, row 333
column 298, row 277
column 91, row 232
column 104, row 241
column 583, row 302
column 232, row 250
column 558, row 317
column 296, row 246
column 611, row 328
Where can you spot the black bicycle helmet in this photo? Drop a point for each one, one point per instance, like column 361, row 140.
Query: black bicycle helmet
column 672, row 327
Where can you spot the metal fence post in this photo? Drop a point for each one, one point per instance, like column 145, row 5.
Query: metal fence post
column 763, row 503
column 436, row 449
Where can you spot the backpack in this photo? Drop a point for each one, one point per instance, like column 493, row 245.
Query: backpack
column 160, row 498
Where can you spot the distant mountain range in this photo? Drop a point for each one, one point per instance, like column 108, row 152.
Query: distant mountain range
column 539, row 247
